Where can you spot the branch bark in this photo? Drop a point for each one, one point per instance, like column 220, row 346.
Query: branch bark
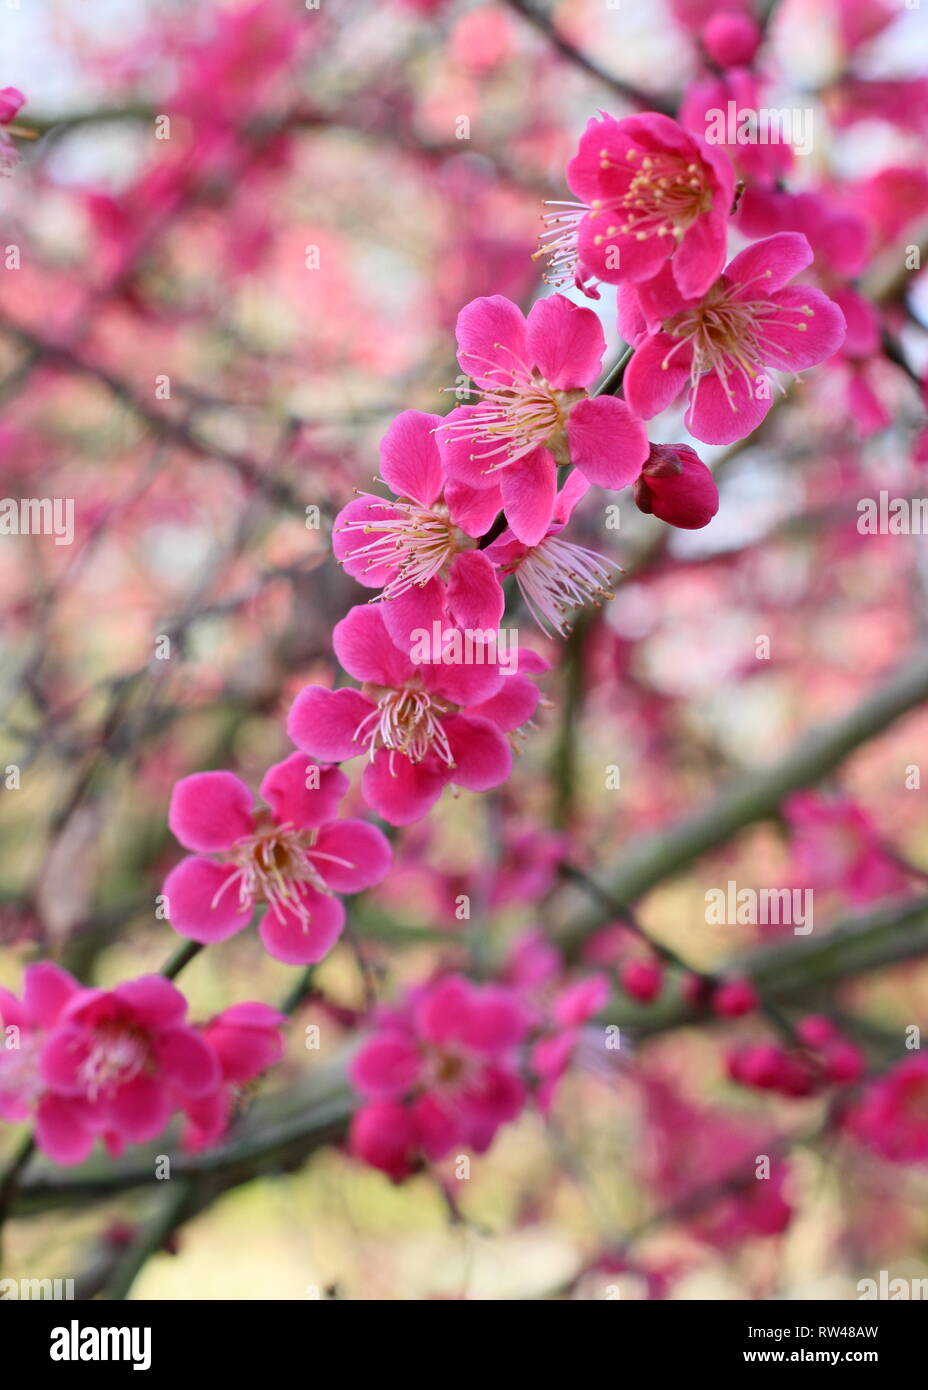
column 651, row 859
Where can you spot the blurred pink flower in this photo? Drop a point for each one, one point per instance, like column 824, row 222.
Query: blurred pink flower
column 441, row 1071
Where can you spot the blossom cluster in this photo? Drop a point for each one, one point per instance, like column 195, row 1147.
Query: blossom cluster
column 723, row 284
column 117, row 1064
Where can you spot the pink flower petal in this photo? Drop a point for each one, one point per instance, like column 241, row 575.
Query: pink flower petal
column 285, row 938
column 47, row 990
column 492, row 340
column 284, row 788
column 630, row 317
column 365, row 649
column 473, row 509
column 246, row 1047
column 61, row 1130
column 140, row 1110
column 496, row 1022
column 811, row 328
column 529, row 489
column 408, row 792
column 191, row 888
column 444, row 1013
column 209, row 811
column 460, row 454
column 465, row 683
column 580, row 1001
column 349, row 545
column 187, row 1061
column 436, row 1128
column 575, row 488
column 714, row 419
column 475, row 597
column 482, row 756
column 323, row 722
column 618, row 257
column 660, row 297
column 769, row 264
column 566, row 342
column 62, row 1059
column 607, row 442
column 383, row 1134
column 650, row 385
column 700, row 258
column 154, row 1001
column 12, row 1011
column 365, row 850
column 417, row 609
column 385, row 1068
column 409, row 461
column 514, row 704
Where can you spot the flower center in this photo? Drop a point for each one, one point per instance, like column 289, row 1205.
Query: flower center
column 556, row 576
column 19, row 1065
column 518, row 413
column 417, row 544
column 118, row 1053
column 665, row 196
column 407, row 721
column 273, row 865
column 730, row 336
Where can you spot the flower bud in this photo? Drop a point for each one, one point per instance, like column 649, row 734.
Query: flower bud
column 676, row 486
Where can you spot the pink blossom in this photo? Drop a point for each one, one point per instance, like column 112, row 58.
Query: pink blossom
column 731, row 40
column 246, row 1041
column 11, row 99
column 295, row 858
column 422, row 726
column 859, row 361
column 26, row 1024
column 441, row 1072
column 691, row 1150
column 835, row 845
column 555, row 576
column 734, row 998
column 759, row 162
column 676, row 486
column 891, row 1117
column 112, row 1065
column 721, row 346
column 838, row 234
column 650, row 190
column 535, row 410
column 642, row 980
column 578, row 1002
column 551, row 1055
column 421, row 548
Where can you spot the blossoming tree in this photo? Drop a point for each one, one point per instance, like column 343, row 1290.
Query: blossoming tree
column 467, row 633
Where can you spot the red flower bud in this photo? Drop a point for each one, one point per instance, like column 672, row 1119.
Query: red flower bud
column 676, row 486
column 642, row 980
